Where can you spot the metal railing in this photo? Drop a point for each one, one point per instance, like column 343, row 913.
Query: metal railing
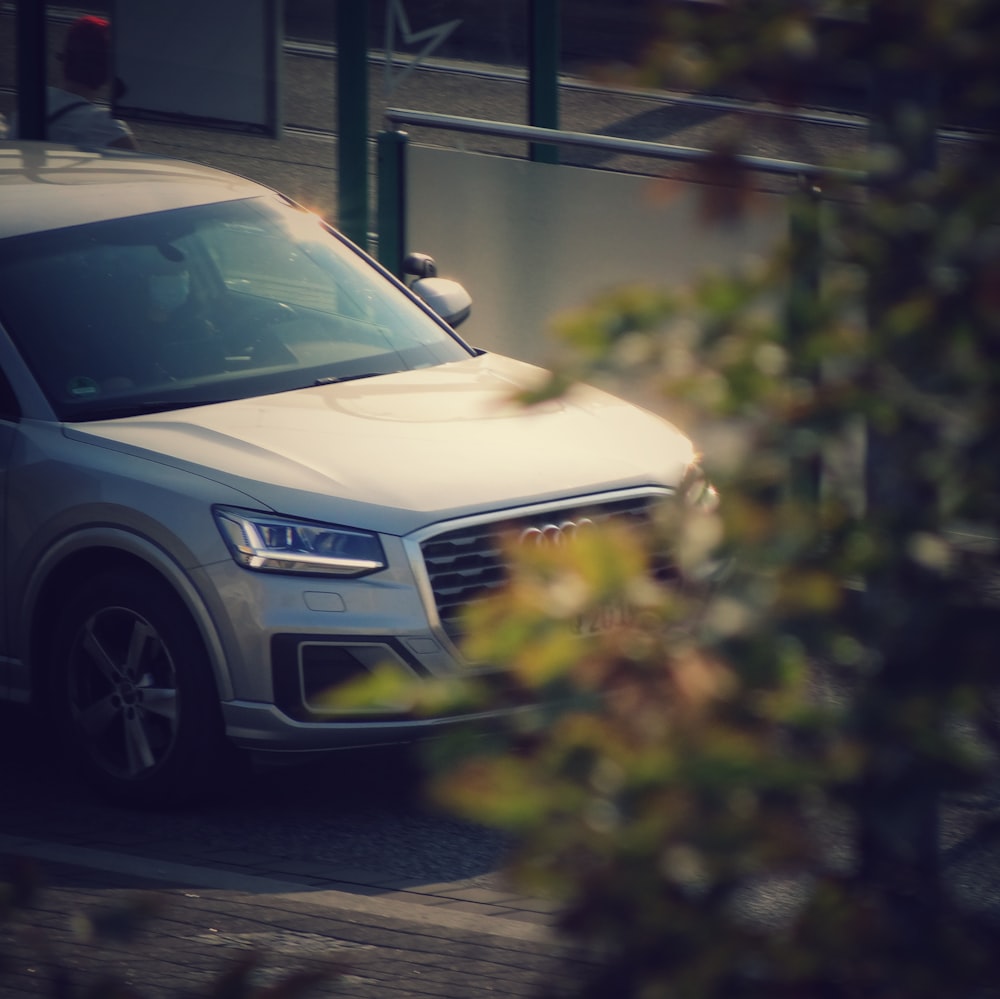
column 392, row 145
column 604, row 143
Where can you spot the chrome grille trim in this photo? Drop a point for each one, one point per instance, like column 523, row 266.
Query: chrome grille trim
column 460, row 561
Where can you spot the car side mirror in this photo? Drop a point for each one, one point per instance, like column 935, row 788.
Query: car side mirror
column 447, row 298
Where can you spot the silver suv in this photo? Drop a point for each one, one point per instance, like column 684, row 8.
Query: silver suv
column 241, row 463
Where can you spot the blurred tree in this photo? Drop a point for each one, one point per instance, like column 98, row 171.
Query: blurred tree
column 735, row 793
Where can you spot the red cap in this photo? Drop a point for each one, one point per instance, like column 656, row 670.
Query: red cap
column 87, row 53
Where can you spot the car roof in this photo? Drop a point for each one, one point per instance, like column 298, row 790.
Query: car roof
column 45, row 186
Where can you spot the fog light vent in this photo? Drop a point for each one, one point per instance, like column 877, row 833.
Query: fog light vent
column 305, row 670
column 324, row 668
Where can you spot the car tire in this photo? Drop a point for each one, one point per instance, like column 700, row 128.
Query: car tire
column 133, row 693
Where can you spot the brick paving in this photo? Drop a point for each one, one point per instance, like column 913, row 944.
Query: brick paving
column 190, row 933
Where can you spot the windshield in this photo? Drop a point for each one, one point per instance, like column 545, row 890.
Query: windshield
column 204, row 304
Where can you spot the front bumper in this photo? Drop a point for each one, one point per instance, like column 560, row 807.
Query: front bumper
column 265, row 729
column 290, row 640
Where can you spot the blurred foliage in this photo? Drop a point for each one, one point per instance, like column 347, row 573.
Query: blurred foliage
column 734, row 789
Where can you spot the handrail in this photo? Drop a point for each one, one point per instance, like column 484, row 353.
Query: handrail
column 609, row 143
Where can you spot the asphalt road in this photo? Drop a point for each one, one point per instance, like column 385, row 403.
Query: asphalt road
column 356, row 817
column 356, row 827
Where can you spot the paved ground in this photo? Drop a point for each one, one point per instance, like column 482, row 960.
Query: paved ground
column 207, row 910
column 175, row 930
column 88, row 915
column 337, row 859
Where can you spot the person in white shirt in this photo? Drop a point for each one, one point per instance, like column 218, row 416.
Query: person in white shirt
column 72, row 116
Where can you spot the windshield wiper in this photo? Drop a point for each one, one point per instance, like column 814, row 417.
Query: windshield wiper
column 337, row 379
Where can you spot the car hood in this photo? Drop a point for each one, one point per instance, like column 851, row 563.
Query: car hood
column 395, row 452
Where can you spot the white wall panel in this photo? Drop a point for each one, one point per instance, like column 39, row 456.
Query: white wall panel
column 211, row 61
column 531, row 239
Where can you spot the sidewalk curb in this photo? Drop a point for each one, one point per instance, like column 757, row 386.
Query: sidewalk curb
column 266, row 891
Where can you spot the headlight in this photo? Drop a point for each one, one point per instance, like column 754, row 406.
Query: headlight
column 697, row 491
column 281, row 544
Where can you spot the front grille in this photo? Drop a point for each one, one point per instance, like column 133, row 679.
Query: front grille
column 467, row 563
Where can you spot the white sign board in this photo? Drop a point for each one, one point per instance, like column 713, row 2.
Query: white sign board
column 207, row 62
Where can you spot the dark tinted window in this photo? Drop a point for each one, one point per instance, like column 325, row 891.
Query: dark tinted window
column 197, row 305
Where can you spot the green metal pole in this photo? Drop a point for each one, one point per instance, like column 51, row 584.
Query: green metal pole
column 543, row 74
column 392, row 200
column 32, row 56
column 352, row 119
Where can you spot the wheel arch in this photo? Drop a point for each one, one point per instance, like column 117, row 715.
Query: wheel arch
column 70, row 564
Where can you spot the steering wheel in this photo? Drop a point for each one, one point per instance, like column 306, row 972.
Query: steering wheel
column 251, row 332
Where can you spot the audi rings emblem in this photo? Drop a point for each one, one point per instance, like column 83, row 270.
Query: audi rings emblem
column 552, row 535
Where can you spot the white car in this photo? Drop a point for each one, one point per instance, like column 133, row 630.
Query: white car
column 240, row 463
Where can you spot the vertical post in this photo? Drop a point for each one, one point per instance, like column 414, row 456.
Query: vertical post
column 352, row 119
column 543, row 74
column 805, row 242
column 274, row 33
column 898, row 824
column 392, row 200
column 32, row 58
